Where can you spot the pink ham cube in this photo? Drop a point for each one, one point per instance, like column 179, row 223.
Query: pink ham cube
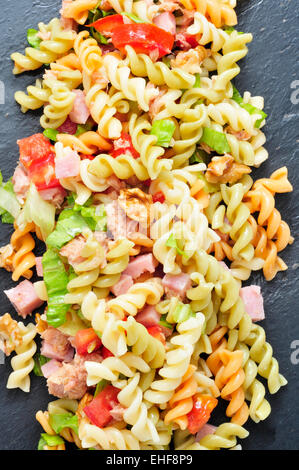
column 24, row 299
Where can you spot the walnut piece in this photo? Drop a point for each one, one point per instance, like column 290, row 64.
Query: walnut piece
column 136, row 205
column 225, row 170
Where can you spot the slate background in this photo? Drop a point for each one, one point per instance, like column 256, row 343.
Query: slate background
column 268, row 70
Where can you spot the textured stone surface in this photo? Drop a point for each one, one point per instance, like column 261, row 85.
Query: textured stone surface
column 269, row 70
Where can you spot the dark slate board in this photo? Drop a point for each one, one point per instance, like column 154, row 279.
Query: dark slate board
column 268, row 70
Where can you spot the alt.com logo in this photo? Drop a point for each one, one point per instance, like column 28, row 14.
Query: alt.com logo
column 295, row 354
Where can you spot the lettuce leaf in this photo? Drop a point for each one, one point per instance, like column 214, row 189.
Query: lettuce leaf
column 9, row 205
column 49, row 440
column 64, row 420
column 100, row 387
column 182, row 313
column 173, row 243
column 69, row 225
column 51, row 134
column 39, row 361
column 163, row 129
column 249, row 107
column 56, row 280
column 33, row 39
column 215, row 140
column 36, row 210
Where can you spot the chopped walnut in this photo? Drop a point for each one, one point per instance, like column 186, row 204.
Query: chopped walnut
column 6, row 257
column 136, row 205
column 190, row 61
column 225, row 170
column 10, row 334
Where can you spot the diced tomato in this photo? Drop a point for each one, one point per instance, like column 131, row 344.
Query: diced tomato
column 42, row 173
column 124, row 145
column 147, row 183
column 107, row 25
column 98, row 411
column 34, row 148
column 156, row 332
column 106, row 353
column 87, row 341
column 144, row 38
column 201, row 412
column 159, row 197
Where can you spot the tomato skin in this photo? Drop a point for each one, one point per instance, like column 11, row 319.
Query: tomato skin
column 159, row 197
column 86, row 339
column 34, row 148
column 107, row 24
column 201, row 412
column 42, row 173
column 106, row 353
column 98, row 410
column 144, row 38
column 156, row 332
column 124, row 145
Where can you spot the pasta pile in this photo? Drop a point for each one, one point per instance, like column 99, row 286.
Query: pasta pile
column 140, row 189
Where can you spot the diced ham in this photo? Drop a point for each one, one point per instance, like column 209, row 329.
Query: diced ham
column 24, row 299
column 204, row 431
column 67, row 23
column 148, row 316
column 56, row 345
column 69, row 381
column 141, row 264
column 68, row 127
column 123, row 285
column 39, row 266
column 117, row 222
column 20, row 183
column 72, row 250
column 80, row 112
column 67, row 165
column 166, row 21
column 44, row 35
column 55, row 195
column 253, row 301
column 176, row 284
column 50, row 367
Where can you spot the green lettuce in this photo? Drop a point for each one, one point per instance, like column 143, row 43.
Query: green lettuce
column 39, row 361
column 51, row 134
column 36, row 210
column 49, row 440
column 182, row 313
column 33, row 39
column 249, row 107
column 56, row 280
column 163, row 129
column 9, row 205
column 100, row 387
column 64, row 420
column 173, row 243
column 215, row 140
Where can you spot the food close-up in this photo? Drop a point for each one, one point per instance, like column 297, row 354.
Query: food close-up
column 143, row 234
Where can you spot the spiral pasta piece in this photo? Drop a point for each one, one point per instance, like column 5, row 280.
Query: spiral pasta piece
column 60, row 43
column 109, row 438
column 88, row 52
column 123, row 167
column 218, row 14
column 87, row 143
column 145, row 10
column 177, row 360
column 134, row 89
column 78, row 10
column 23, row 258
column 206, row 33
column 23, row 362
column 158, row 73
column 223, row 438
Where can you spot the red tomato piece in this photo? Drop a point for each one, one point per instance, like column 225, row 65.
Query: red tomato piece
column 201, row 412
column 42, row 173
column 34, row 148
column 107, row 25
column 157, row 332
column 144, row 38
column 106, row 353
column 159, row 197
column 83, row 156
column 124, row 145
column 98, row 411
column 87, row 341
